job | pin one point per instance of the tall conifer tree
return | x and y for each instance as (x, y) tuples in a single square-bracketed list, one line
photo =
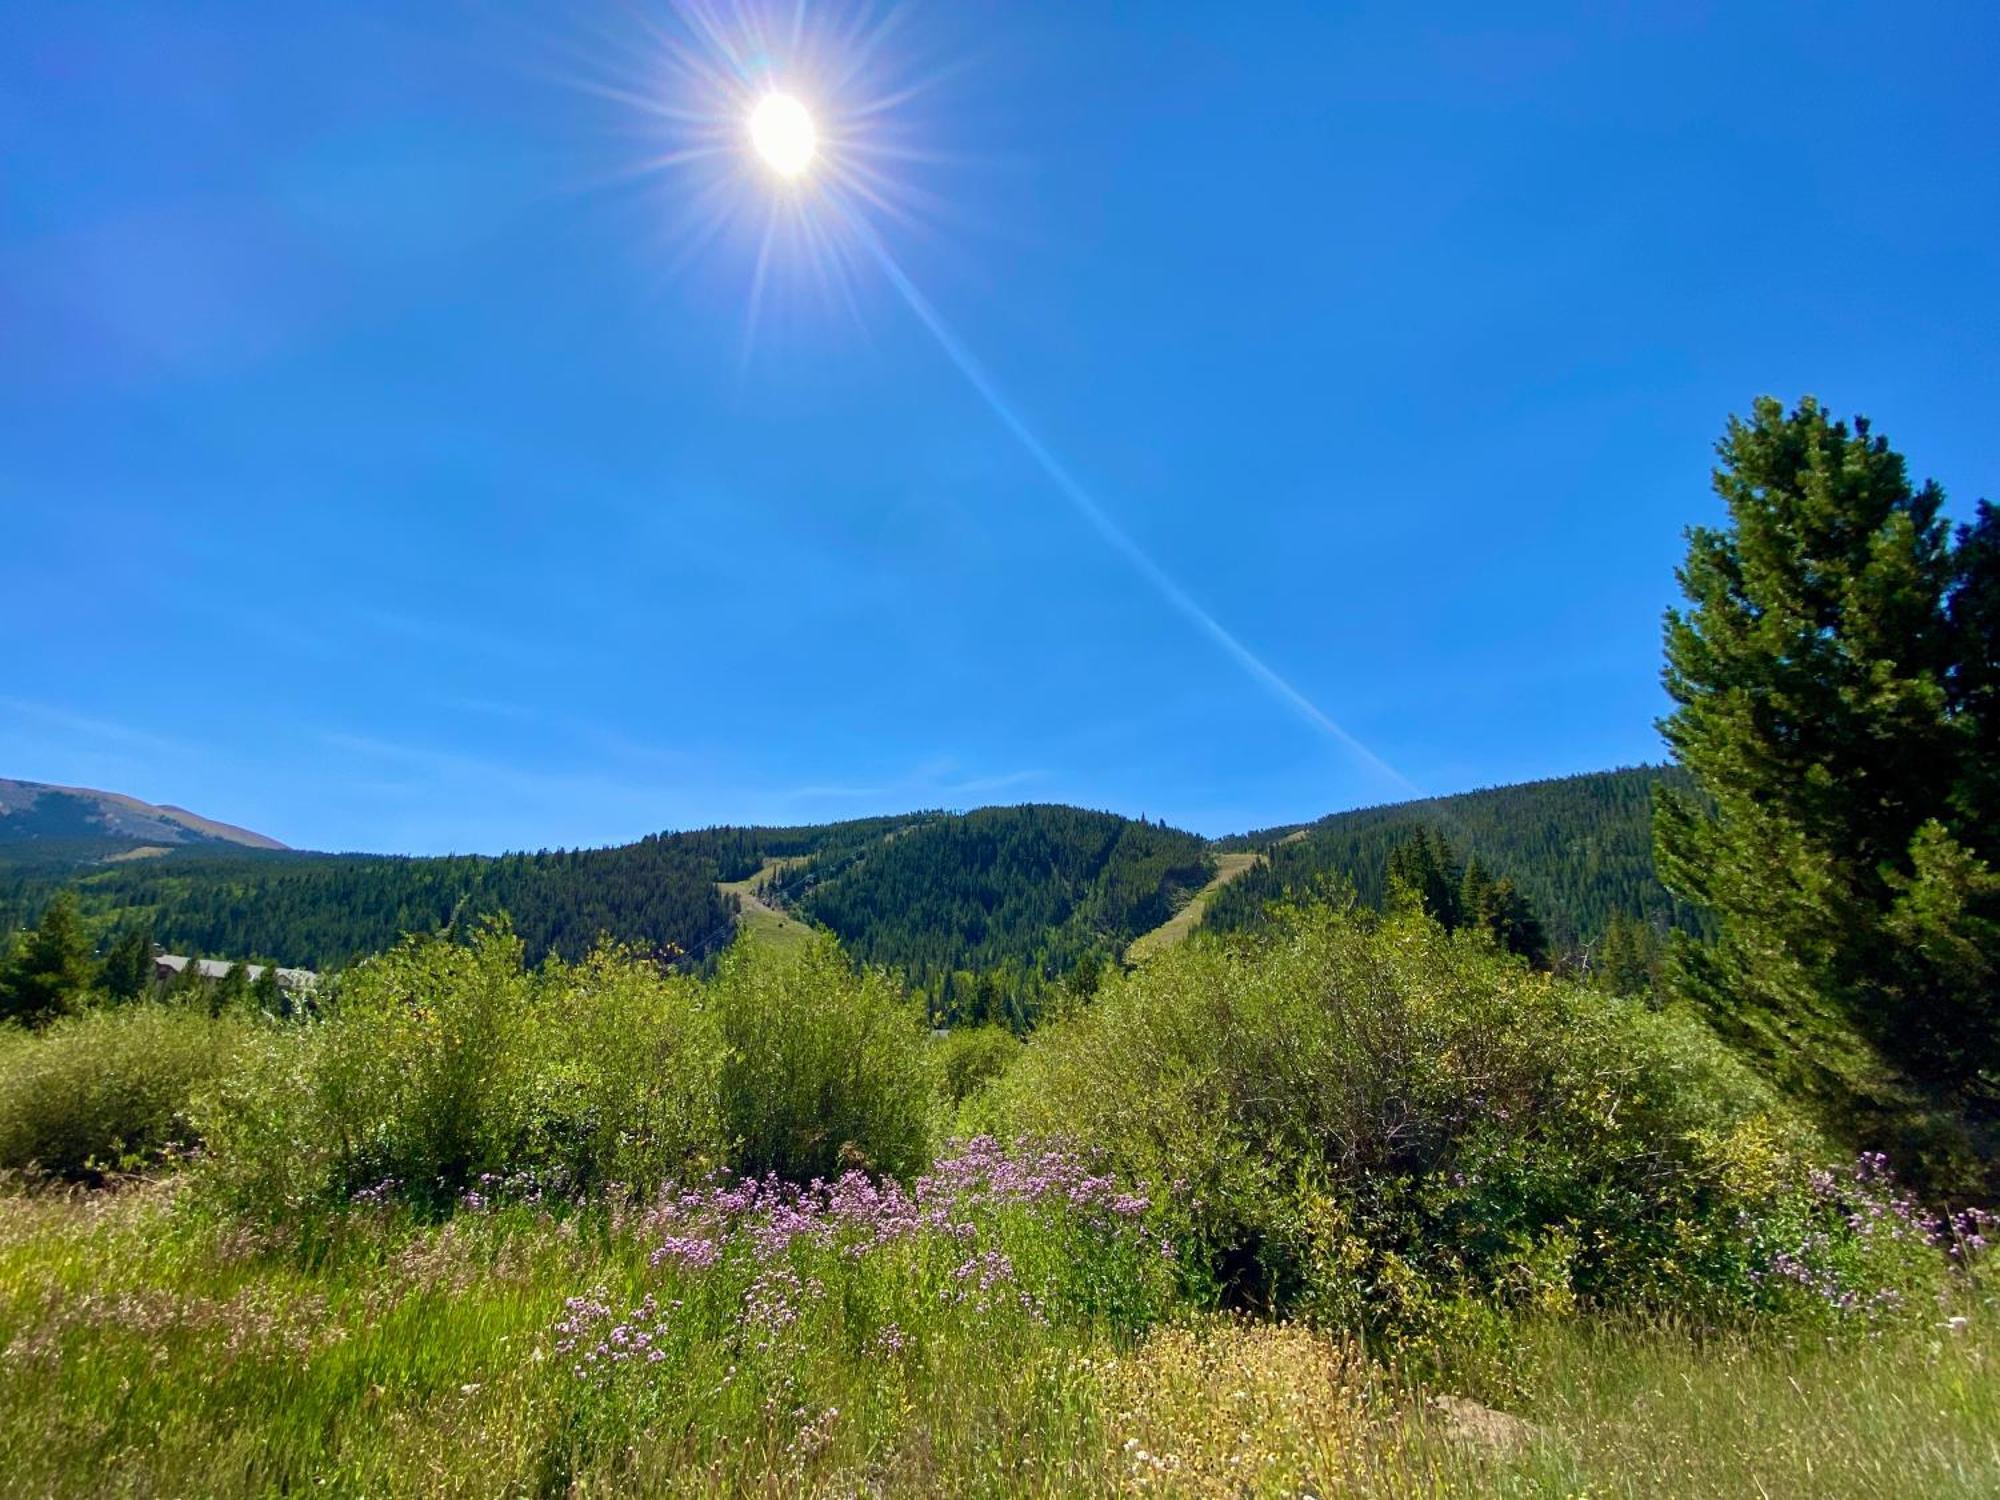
[(49, 972), (1826, 675)]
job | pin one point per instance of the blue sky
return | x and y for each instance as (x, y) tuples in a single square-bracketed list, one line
[(380, 467)]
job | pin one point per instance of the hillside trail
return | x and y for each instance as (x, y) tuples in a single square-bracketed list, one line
[(757, 916), (1228, 867), (1175, 929)]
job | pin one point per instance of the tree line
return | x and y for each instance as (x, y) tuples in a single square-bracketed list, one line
[(1576, 850)]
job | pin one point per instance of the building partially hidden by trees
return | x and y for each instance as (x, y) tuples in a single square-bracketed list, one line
[(167, 967)]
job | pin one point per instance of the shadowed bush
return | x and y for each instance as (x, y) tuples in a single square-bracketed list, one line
[(1390, 1128), (968, 1058), (107, 1090)]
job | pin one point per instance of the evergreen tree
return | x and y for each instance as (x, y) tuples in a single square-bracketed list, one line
[(1628, 958), (1424, 876), (1479, 898), (231, 991), (127, 971), (266, 993), (1831, 677), (1974, 688), (1514, 925), (188, 986), (1578, 847), (49, 973)]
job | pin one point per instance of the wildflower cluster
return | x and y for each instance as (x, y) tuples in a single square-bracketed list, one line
[(956, 1238), (855, 1215), (1856, 1245), (597, 1340)]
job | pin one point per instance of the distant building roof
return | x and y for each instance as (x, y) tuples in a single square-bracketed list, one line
[(214, 968)]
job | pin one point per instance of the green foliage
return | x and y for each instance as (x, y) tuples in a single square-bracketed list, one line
[(1832, 682), (442, 1069), (1425, 877), (152, 1353), (107, 1090), (968, 1058), (1628, 958), (325, 911), (827, 1068), (231, 991), (440, 1066), (1014, 895), (49, 972), (266, 993), (127, 971), (1374, 1121), (1579, 850), (1018, 895), (188, 986)]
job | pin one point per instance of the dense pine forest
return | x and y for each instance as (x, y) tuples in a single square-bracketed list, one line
[(1018, 895), (323, 911), (1580, 848), (980, 911)]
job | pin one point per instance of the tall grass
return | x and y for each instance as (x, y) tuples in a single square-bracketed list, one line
[(145, 1352)]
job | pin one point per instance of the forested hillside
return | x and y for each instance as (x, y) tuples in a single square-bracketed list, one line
[(1025, 891), (1580, 848), (1028, 891), (324, 910), (979, 910)]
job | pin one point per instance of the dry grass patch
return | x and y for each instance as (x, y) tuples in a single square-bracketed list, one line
[(1234, 1409)]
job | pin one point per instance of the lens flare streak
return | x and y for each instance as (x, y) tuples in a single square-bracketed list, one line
[(1072, 490)]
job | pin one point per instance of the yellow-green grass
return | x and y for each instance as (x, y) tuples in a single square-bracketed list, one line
[(764, 922), (143, 1351), (1175, 929)]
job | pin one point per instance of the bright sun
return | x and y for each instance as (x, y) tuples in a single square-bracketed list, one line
[(783, 134)]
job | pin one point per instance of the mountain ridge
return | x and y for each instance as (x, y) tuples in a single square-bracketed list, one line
[(88, 825), (996, 904)]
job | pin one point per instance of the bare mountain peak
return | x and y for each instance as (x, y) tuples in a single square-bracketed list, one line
[(94, 823)]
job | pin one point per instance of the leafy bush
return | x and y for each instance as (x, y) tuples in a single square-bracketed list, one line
[(826, 1069), (443, 1072), (107, 1090), (1395, 1129), (968, 1058), (442, 1069)]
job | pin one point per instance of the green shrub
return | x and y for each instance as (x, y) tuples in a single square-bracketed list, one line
[(968, 1058), (1372, 1122), (107, 1090), (827, 1068), (620, 1079), (443, 1069)]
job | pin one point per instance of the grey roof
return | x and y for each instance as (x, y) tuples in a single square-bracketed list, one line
[(215, 968)]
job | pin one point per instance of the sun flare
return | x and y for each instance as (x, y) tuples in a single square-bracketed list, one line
[(782, 130)]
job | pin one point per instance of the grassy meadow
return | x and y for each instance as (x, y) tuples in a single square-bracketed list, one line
[(1358, 1208), (147, 1352)]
